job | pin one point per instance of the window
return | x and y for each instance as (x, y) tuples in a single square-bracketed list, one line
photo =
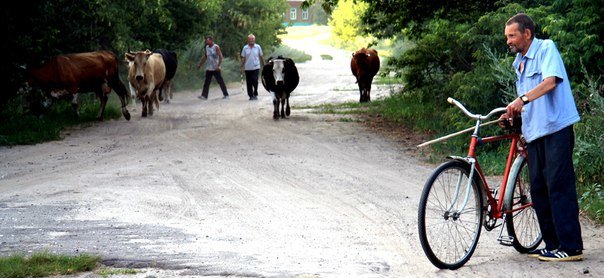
[(293, 14), (305, 14)]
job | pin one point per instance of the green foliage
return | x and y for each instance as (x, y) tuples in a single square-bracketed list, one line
[(346, 25), (45, 264), (389, 18), (592, 201), (239, 18), (589, 154), (19, 125)]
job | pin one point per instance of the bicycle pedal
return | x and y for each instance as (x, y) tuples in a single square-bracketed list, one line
[(506, 240)]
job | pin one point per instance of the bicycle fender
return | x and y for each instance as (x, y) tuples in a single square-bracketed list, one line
[(468, 161), (509, 187)]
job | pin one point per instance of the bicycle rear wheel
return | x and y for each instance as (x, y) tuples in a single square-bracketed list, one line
[(449, 236), (521, 220)]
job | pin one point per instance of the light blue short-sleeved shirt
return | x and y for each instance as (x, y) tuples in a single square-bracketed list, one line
[(556, 109), (252, 56)]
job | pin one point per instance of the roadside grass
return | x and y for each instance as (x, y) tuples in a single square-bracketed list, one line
[(326, 57), (21, 125), (286, 51), (108, 272), (46, 264)]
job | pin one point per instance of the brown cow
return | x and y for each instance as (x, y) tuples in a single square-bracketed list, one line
[(365, 64), (146, 74), (79, 73)]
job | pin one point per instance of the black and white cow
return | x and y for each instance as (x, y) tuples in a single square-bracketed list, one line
[(171, 62), (280, 77)]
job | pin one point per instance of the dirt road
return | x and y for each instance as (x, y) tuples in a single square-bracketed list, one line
[(218, 188)]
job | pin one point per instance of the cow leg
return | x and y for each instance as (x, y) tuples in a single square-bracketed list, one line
[(75, 103), (361, 92), (283, 108), (168, 89), (275, 106), (368, 97), (287, 110), (364, 97), (161, 95), (144, 103), (103, 98), (133, 97), (156, 101), (116, 84), (150, 105)]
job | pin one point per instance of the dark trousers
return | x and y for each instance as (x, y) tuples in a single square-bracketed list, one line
[(553, 190), (206, 83), (251, 79)]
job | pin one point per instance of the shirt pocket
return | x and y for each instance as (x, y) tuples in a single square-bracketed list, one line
[(532, 72)]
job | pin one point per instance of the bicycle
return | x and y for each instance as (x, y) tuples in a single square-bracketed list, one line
[(456, 199)]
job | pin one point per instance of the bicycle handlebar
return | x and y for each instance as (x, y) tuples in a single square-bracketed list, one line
[(475, 116)]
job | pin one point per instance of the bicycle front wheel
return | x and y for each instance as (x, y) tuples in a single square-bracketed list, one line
[(521, 219), (448, 231)]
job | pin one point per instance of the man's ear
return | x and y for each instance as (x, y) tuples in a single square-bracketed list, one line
[(527, 33)]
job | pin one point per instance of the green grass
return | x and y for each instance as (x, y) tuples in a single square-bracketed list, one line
[(20, 126), (108, 272), (286, 51), (326, 57), (45, 264)]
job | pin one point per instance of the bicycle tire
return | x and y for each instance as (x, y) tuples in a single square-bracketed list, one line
[(449, 242), (522, 224)]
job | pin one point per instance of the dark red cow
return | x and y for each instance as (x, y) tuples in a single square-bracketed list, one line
[(365, 64), (79, 73)]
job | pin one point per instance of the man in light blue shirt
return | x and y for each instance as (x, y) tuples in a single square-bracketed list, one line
[(548, 112), (251, 62)]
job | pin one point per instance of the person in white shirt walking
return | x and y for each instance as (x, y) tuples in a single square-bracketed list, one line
[(251, 62)]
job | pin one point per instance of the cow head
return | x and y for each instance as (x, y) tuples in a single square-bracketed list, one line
[(278, 74), (137, 62)]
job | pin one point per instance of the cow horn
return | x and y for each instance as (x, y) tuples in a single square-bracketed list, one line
[(147, 51), (129, 51)]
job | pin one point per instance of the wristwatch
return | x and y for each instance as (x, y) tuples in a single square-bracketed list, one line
[(524, 99)]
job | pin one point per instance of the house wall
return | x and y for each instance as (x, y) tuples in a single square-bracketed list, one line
[(296, 4)]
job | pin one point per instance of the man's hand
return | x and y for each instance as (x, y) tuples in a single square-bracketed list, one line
[(505, 121), (515, 107)]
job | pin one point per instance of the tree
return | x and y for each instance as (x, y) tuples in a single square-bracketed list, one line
[(239, 18), (347, 26)]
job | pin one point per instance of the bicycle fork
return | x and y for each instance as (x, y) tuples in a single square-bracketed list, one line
[(456, 214)]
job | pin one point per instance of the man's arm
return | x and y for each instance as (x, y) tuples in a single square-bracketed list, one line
[(219, 57), (203, 60), (261, 60), (546, 86)]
